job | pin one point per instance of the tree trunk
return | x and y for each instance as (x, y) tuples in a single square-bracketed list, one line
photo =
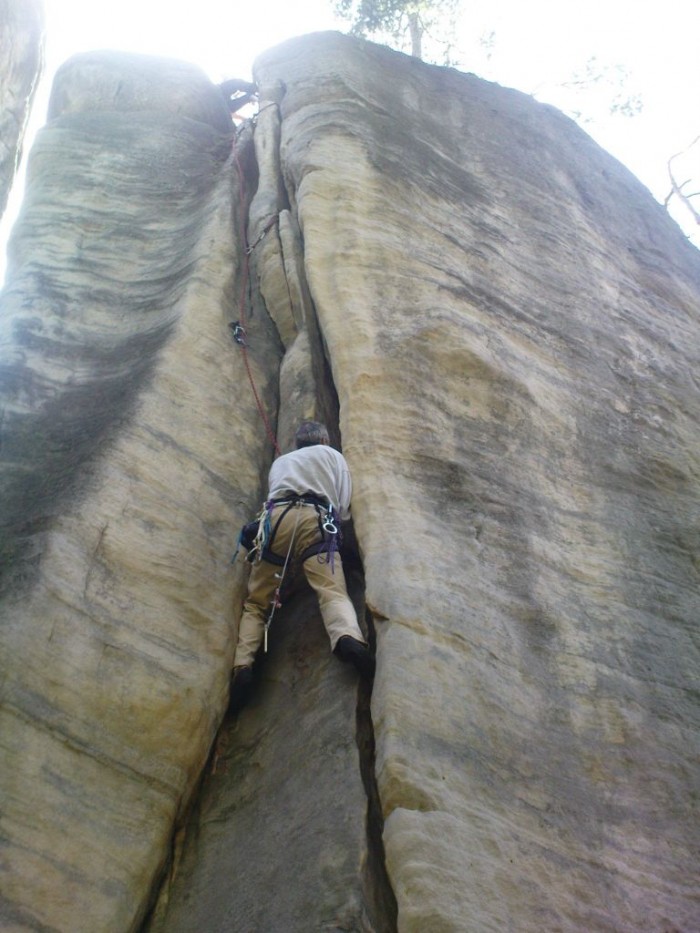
[(416, 30)]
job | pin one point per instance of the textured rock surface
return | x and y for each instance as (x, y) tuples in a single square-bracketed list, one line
[(129, 456), (21, 47), (278, 837), (505, 325)]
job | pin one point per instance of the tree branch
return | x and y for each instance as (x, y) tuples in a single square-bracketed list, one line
[(678, 189)]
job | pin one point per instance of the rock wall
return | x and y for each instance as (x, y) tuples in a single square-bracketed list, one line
[(501, 326), (21, 48), (130, 453)]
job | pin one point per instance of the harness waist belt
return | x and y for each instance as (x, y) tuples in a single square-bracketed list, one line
[(278, 502), (306, 498)]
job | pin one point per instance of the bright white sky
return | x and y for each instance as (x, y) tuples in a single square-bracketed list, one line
[(538, 45)]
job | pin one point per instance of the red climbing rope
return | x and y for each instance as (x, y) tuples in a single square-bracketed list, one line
[(239, 328)]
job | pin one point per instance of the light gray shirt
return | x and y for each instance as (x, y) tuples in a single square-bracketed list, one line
[(319, 469)]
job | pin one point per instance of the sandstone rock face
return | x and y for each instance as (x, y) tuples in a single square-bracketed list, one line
[(501, 326), (122, 414), (21, 46)]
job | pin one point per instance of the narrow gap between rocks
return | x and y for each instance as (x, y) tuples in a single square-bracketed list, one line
[(379, 899), (378, 887)]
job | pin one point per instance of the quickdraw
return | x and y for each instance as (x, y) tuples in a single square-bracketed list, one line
[(261, 236), (239, 333)]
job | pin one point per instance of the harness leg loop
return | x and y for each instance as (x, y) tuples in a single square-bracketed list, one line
[(280, 576)]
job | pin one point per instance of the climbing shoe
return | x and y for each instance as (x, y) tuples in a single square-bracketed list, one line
[(241, 684), (352, 651)]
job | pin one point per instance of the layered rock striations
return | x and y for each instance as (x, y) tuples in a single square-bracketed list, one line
[(501, 327), (21, 49), (123, 404)]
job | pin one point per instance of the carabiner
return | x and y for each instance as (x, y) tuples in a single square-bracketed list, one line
[(239, 334), (330, 527)]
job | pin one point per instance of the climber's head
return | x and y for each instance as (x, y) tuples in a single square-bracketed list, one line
[(310, 433)]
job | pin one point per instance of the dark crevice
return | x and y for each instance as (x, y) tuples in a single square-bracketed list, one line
[(378, 891), (186, 825), (379, 896)]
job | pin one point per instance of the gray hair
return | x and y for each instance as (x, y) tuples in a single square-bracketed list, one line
[(310, 433)]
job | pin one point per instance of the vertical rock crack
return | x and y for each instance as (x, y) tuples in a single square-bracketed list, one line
[(379, 893)]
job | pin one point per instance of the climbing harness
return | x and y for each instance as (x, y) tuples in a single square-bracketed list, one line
[(258, 537), (328, 545)]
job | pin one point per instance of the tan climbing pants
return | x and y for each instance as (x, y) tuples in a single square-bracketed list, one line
[(300, 528)]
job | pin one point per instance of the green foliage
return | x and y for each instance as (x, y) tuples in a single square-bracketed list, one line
[(428, 29), (372, 16), (404, 23), (612, 83)]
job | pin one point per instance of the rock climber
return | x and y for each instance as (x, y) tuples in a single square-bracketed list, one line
[(238, 93), (309, 493)]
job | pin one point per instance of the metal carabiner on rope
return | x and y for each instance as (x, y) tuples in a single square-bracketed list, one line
[(239, 333)]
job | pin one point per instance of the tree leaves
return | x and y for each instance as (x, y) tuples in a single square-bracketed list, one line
[(403, 22)]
